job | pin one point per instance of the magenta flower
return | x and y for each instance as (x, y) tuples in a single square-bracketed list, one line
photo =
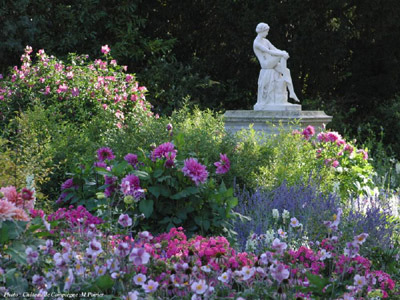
[(223, 165), (195, 171), (69, 184), (105, 49), (129, 184), (308, 132), (163, 150), (132, 159), (105, 153), (139, 256), (62, 88)]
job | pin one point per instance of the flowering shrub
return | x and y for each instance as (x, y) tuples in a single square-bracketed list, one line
[(351, 173), (166, 187), (77, 89)]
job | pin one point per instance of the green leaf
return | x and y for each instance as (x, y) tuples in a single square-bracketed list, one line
[(104, 282), (155, 190), (119, 169), (146, 207), (17, 253), (16, 282), (157, 173), (141, 174), (185, 192)]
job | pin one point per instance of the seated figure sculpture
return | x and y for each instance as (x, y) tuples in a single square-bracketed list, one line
[(274, 78)]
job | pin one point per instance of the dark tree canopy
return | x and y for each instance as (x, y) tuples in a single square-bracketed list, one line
[(344, 54)]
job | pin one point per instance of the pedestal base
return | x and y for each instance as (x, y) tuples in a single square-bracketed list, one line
[(278, 107), (264, 120)]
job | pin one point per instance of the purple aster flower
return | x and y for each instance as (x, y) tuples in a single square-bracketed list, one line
[(31, 255), (132, 159), (195, 171), (163, 150), (105, 153), (223, 165)]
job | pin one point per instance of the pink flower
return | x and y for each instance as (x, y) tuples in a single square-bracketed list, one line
[(105, 49), (195, 171), (75, 92), (139, 279), (308, 132), (335, 164), (223, 165), (62, 88), (130, 184)]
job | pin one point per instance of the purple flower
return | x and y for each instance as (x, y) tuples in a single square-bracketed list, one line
[(279, 272), (169, 127), (100, 164), (139, 256), (129, 184), (105, 153), (122, 249), (124, 220), (279, 246), (163, 150), (94, 248), (223, 165), (68, 184), (195, 171), (132, 159), (31, 256)]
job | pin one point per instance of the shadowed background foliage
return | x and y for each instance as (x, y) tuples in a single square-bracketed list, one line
[(344, 58)]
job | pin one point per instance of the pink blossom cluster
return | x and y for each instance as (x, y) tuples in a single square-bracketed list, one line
[(14, 205), (75, 216)]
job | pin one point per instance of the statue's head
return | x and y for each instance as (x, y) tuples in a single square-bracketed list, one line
[(262, 27)]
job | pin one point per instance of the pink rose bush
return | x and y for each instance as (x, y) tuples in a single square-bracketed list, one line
[(78, 88)]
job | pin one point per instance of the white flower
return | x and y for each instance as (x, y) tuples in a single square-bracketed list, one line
[(282, 233), (150, 287), (139, 279), (247, 272), (294, 222), (324, 254), (285, 214), (199, 287), (206, 269), (359, 281), (133, 295), (224, 277), (269, 236), (360, 239), (275, 214)]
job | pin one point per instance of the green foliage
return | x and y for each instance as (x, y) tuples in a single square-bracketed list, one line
[(166, 197)]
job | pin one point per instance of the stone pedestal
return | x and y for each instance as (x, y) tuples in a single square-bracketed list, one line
[(264, 120)]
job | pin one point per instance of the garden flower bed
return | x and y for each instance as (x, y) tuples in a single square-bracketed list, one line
[(189, 212)]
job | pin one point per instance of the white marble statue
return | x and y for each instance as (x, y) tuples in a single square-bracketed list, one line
[(274, 79)]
